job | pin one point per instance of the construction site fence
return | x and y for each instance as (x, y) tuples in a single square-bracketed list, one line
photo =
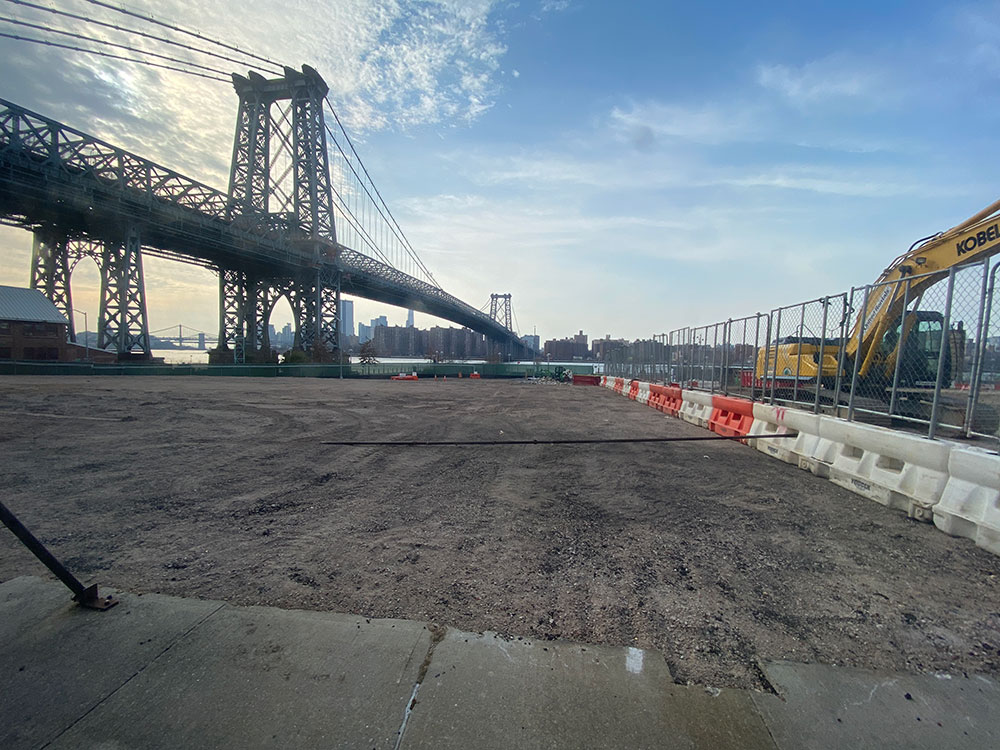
[(943, 379)]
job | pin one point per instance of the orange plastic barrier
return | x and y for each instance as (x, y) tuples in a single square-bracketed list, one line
[(586, 379), (404, 377), (475, 376), (633, 389), (731, 416), (619, 385), (666, 398)]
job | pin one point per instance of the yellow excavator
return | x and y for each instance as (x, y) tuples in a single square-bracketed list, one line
[(878, 338)]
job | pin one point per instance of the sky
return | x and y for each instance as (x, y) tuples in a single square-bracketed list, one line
[(624, 169)]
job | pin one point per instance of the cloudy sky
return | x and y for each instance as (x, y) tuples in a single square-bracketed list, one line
[(621, 168)]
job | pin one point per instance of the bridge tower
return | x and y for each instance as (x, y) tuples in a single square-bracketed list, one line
[(279, 181), (501, 312)]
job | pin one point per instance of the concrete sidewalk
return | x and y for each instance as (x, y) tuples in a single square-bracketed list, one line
[(164, 672)]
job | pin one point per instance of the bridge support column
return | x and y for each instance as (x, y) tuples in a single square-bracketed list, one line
[(122, 322), (319, 312), (50, 273), (232, 302)]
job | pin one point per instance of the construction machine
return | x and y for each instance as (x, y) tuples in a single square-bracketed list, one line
[(890, 326)]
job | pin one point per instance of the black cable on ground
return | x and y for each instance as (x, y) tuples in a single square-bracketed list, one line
[(579, 441)]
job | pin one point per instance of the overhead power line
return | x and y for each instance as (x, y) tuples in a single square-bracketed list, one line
[(113, 56), (105, 42), (137, 32), (181, 30)]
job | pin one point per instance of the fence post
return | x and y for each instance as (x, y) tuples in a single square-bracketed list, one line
[(983, 334), (857, 354), (976, 384), (822, 346), (798, 359), (945, 347), (899, 349), (777, 335)]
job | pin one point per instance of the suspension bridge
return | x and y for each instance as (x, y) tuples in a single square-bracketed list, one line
[(301, 219)]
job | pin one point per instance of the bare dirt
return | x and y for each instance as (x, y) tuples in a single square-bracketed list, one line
[(712, 553)]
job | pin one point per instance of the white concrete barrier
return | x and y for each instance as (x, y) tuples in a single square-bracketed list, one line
[(899, 471), (696, 407), (779, 420), (643, 395), (970, 503)]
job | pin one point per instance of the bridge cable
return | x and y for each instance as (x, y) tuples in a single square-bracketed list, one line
[(105, 42), (364, 187), (402, 235), (137, 32), (370, 241), (150, 19), (112, 56)]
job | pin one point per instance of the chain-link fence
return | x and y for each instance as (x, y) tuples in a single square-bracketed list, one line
[(921, 352)]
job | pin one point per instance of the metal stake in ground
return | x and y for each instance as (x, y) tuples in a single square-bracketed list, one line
[(86, 596)]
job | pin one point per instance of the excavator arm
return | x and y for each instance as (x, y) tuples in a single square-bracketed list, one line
[(925, 264)]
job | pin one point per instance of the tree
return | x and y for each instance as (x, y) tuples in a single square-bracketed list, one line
[(368, 354)]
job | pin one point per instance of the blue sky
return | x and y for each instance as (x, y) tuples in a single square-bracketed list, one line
[(621, 168)]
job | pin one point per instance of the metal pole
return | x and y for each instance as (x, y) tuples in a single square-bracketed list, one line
[(899, 350), (858, 354), (977, 363), (845, 307), (767, 338), (84, 595), (798, 359), (727, 330), (822, 346), (777, 335), (939, 383)]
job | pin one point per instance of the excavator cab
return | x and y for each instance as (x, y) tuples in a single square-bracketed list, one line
[(921, 350)]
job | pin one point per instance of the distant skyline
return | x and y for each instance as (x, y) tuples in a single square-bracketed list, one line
[(623, 169)]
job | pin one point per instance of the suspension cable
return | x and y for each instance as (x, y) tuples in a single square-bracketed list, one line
[(150, 63), (150, 19), (49, 29), (137, 32), (401, 236)]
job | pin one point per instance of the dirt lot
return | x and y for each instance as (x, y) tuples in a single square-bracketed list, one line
[(710, 552)]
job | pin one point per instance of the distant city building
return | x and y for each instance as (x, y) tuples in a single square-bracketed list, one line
[(346, 320), (367, 332), (409, 318), (532, 341), (561, 350), (602, 347)]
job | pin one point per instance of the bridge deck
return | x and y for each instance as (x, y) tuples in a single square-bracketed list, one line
[(711, 553)]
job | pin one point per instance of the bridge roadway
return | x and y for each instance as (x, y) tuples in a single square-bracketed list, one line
[(52, 175)]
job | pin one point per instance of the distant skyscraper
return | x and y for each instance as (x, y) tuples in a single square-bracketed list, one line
[(364, 333), (346, 318), (409, 318), (381, 320)]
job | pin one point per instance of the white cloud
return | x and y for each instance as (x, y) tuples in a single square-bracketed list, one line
[(837, 77), (644, 122)]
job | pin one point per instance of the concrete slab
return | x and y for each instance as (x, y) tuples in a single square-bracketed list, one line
[(485, 691), (836, 707), (60, 661), (266, 678)]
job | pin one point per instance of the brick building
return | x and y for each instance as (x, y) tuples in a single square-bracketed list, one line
[(31, 327)]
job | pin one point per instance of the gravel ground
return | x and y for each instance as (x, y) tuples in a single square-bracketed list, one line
[(711, 553)]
